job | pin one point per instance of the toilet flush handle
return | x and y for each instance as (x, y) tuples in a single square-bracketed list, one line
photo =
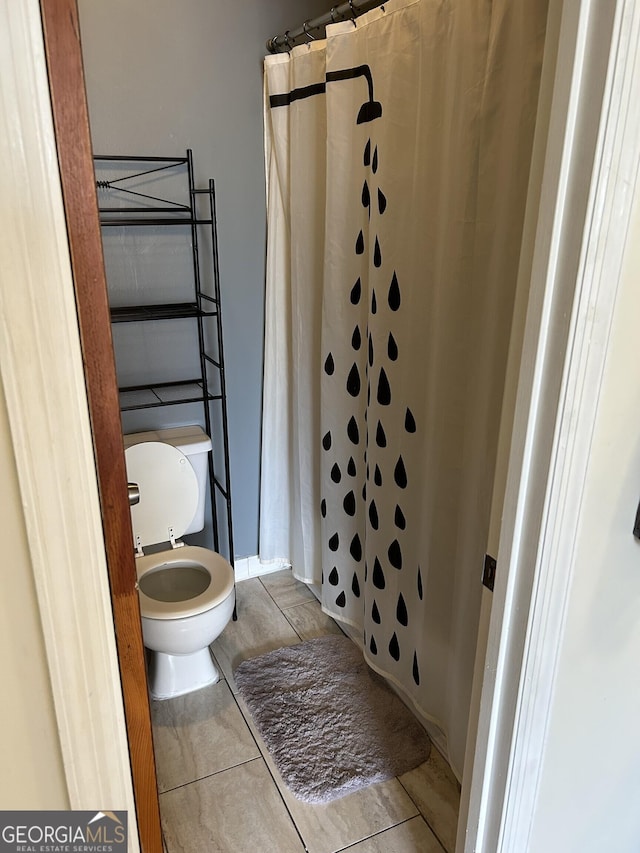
[(134, 493)]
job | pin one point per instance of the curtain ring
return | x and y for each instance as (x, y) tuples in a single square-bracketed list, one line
[(305, 29), (333, 14), (353, 13), (287, 40)]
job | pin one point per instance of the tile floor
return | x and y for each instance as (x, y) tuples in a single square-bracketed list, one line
[(219, 789)]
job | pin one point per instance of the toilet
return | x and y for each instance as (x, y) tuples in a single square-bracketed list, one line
[(186, 592)]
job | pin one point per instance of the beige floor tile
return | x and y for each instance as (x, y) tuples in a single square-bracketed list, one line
[(285, 590), (236, 811), (239, 809), (335, 825), (199, 734), (309, 621), (435, 790), (260, 628), (413, 836)]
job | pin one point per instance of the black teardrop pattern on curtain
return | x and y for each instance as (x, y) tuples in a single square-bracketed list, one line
[(352, 431), (394, 647), (349, 504), (353, 381), (373, 515), (378, 575), (400, 474), (355, 549), (395, 555), (392, 348), (384, 389), (409, 421), (394, 293), (366, 198), (377, 255), (372, 451), (401, 611), (415, 670), (355, 586)]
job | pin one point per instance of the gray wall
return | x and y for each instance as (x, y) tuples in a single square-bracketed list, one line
[(164, 76)]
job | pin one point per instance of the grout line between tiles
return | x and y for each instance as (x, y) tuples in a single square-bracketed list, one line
[(266, 764), (255, 739), (211, 775), (283, 610), (293, 627), (299, 604), (382, 832), (273, 598), (422, 815), (266, 589)]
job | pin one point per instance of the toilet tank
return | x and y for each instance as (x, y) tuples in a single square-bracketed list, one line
[(196, 445)]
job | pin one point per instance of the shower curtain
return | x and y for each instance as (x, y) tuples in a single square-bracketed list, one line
[(397, 155)]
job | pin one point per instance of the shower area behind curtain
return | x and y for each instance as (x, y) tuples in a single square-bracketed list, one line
[(397, 156)]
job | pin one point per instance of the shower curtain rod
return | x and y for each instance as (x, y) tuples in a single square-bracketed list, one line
[(343, 12)]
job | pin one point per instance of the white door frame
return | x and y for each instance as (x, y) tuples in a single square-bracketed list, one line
[(590, 170), (590, 173), (43, 379)]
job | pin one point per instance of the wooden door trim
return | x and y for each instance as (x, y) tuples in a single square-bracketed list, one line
[(71, 122)]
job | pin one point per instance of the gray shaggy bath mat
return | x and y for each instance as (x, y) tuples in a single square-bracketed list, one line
[(331, 724)]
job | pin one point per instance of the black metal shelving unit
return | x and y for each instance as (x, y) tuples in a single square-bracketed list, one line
[(125, 201)]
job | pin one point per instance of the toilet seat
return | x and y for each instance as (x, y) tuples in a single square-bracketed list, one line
[(220, 585), (169, 494)]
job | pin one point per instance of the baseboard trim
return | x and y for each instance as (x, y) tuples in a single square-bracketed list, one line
[(253, 567)]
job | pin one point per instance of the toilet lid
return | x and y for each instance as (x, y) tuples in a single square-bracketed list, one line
[(168, 491)]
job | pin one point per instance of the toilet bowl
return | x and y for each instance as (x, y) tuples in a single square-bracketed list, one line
[(186, 592)]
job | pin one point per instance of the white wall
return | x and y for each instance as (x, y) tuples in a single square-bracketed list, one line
[(32, 775), (163, 76), (590, 784)]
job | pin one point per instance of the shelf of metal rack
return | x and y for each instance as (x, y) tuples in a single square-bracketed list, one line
[(169, 311), (123, 204)]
